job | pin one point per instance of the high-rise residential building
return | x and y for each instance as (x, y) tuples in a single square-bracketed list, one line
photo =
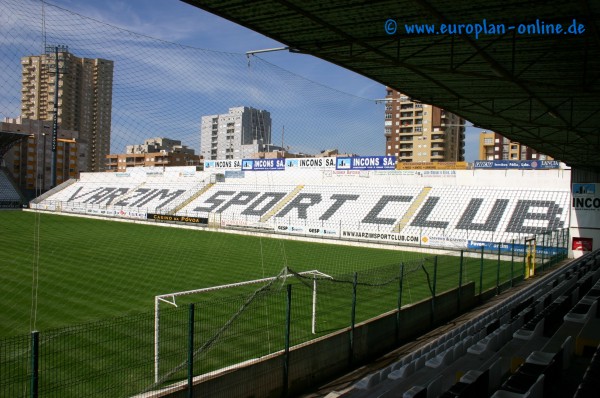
[(493, 146), (238, 134), (417, 132), (84, 98)]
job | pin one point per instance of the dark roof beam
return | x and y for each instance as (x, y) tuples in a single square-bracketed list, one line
[(520, 123), (494, 65), (553, 113), (590, 116), (585, 5)]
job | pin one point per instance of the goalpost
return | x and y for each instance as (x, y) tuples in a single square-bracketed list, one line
[(170, 299), (214, 220)]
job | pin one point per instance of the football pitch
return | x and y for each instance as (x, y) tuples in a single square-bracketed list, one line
[(92, 269), (60, 271)]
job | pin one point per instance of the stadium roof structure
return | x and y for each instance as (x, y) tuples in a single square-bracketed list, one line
[(8, 139), (539, 89)]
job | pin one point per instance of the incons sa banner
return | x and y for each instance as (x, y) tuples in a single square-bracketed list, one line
[(585, 204), (263, 164), (231, 164), (310, 163), (366, 163)]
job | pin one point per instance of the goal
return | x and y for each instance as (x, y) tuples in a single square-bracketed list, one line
[(171, 299)]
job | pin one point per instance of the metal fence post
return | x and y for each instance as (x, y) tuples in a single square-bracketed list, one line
[(190, 375), (435, 267), (555, 247), (498, 271), (286, 355), (433, 291), (564, 243), (400, 287), (543, 250), (567, 241), (35, 352), (481, 274), (353, 318), (525, 258), (568, 233), (512, 263), (460, 278)]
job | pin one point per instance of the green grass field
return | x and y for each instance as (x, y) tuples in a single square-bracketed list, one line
[(96, 282)]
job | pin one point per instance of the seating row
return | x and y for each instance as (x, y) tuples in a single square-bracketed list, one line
[(490, 347), (8, 193), (590, 384)]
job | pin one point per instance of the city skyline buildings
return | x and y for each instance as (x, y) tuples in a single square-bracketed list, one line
[(494, 146), (238, 134), (159, 144), (133, 117), (84, 98), (30, 161), (417, 132)]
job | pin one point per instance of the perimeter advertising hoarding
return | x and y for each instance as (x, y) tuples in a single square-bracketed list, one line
[(234, 174), (263, 164), (585, 204), (231, 164), (366, 163), (310, 163), (507, 248), (172, 218), (431, 166), (10, 204), (132, 213), (583, 244), (516, 164), (305, 230), (380, 236)]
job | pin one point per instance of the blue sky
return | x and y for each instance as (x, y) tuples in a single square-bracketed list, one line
[(177, 22)]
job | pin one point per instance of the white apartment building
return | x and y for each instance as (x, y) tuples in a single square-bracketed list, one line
[(238, 134)]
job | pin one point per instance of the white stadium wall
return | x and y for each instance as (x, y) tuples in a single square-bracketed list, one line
[(585, 218)]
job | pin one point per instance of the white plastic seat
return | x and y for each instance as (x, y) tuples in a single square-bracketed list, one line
[(443, 358), (402, 372)]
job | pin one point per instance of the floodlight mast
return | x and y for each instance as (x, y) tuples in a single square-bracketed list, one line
[(57, 72)]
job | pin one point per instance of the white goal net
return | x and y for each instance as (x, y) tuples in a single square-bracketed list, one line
[(171, 300)]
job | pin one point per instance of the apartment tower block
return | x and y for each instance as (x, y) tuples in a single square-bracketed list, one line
[(417, 132), (84, 99)]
